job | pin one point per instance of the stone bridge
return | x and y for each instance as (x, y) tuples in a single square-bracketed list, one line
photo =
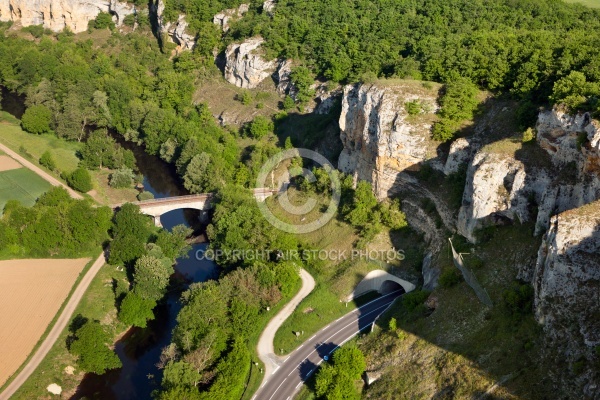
[(203, 202), (382, 282)]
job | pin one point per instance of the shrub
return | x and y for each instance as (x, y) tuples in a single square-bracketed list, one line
[(245, 98), (46, 160), (36, 30), (528, 135), (450, 277), (518, 300), (103, 20), (288, 103), (36, 119), (145, 196), (121, 178), (260, 127), (412, 107), (129, 20), (412, 300), (80, 180), (444, 130)]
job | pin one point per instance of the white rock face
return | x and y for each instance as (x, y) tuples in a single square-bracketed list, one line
[(245, 66), (572, 181), (283, 79), (223, 18), (566, 281), (461, 151), (58, 14), (492, 187), (174, 32), (269, 6), (379, 143)]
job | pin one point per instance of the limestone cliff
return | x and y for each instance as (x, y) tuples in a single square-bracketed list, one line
[(504, 186), (380, 138), (59, 14), (245, 66), (223, 18), (567, 289), (174, 32)]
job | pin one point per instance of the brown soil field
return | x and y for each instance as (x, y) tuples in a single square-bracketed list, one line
[(31, 293), (7, 163)]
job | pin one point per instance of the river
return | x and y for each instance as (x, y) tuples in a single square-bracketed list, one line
[(139, 350)]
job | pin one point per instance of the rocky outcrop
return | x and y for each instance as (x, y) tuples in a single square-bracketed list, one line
[(173, 32), (269, 6), (223, 18), (501, 189), (283, 79), (380, 140), (566, 281), (245, 67), (60, 14), (461, 152)]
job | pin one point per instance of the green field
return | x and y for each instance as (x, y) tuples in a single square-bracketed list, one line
[(21, 184), (589, 3), (63, 152)]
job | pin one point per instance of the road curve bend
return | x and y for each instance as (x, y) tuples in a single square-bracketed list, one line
[(265, 349), (60, 324), (287, 378)]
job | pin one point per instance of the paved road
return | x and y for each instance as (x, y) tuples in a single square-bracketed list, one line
[(303, 362), (265, 342), (52, 180), (56, 330)]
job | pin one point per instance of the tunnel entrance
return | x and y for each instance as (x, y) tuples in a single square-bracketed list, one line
[(390, 287)]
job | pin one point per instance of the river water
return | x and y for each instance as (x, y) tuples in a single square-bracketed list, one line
[(139, 350)]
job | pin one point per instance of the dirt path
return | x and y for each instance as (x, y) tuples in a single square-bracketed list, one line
[(52, 180), (265, 349), (59, 326)]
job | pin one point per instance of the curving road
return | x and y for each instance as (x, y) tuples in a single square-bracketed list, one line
[(285, 381), (265, 350), (59, 326)]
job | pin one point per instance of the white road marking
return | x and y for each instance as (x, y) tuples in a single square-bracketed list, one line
[(275, 370), (298, 385), (348, 338), (314, 336)]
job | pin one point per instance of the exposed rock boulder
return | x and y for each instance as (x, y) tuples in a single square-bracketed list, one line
[(59, 14), (245, 67), (282, 78), (492, 187), (173, 32), (567, 285), (461, 152), (269, 6), (380, 140), (223, 18), (500, 186)]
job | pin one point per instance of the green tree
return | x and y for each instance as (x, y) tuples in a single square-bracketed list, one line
[(573, 91), (46, 160), (37, 119), (90, 345), (174, 244), (260, 127), (103, 20), (121, 178), (364, 203), (337, 381), (199, 176), (302, 79), (151, 277), (80, 180), (98, 150), (135, 310)]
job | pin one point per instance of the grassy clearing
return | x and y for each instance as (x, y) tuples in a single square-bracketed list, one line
[(588, 3), (96, 304), (63, 152), (335, 276), (22, 185)]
